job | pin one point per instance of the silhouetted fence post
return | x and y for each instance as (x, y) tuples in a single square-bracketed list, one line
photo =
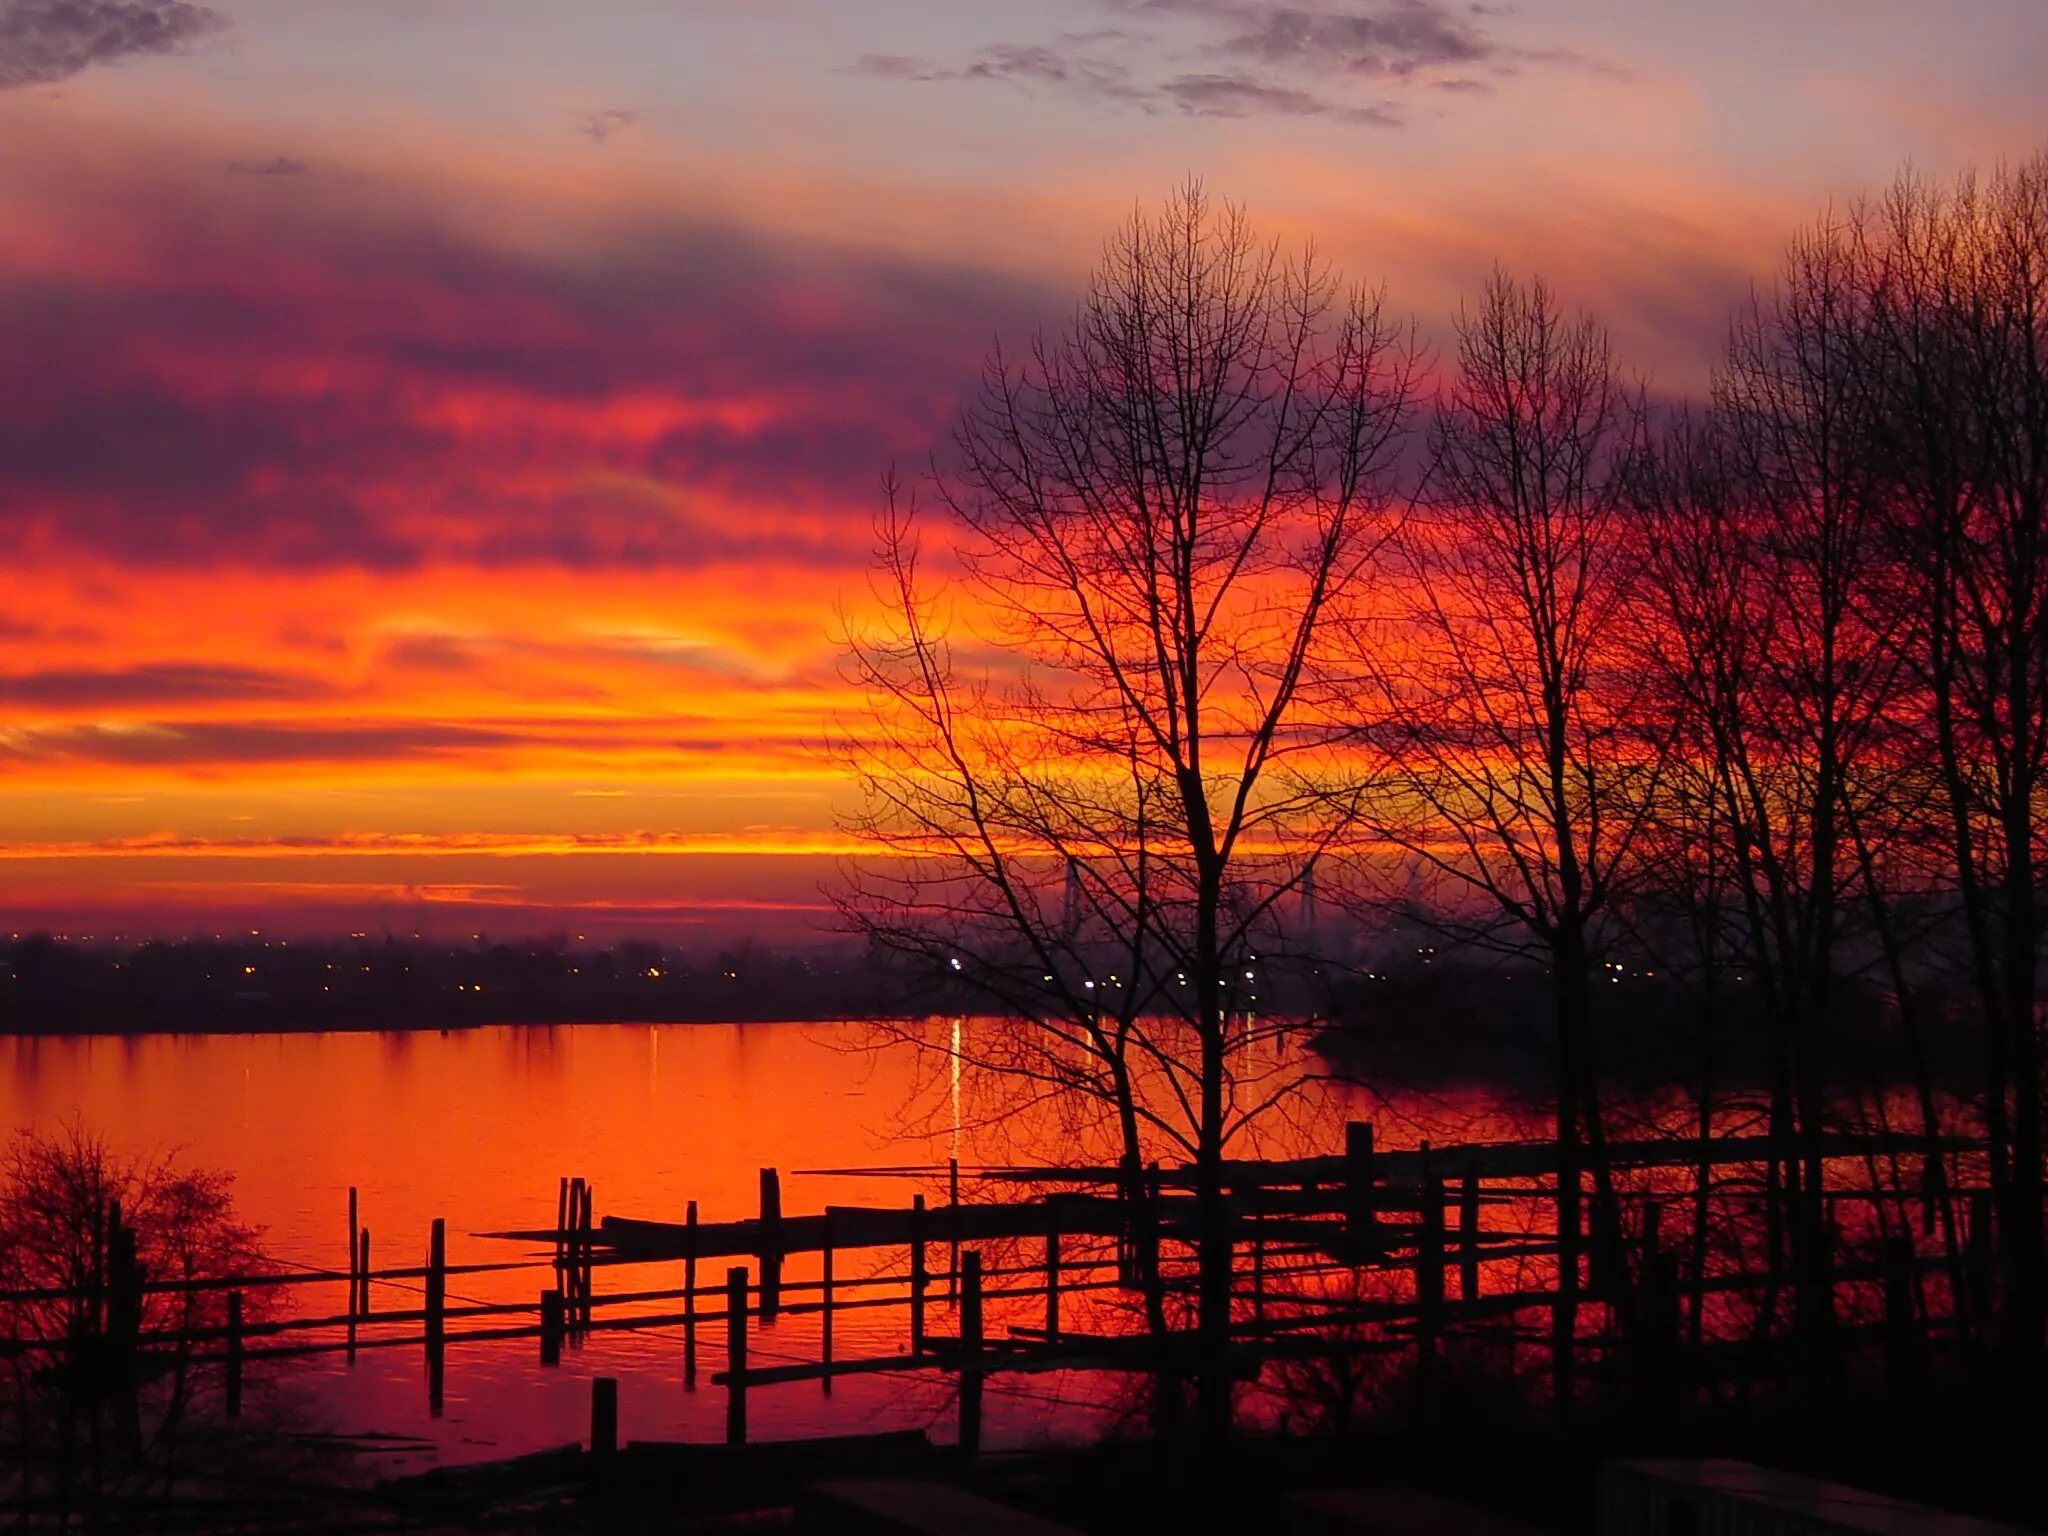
[(234, 1362), (1258, 1217), (1052, 1273), (917, 1274), (585, 1226), (363, 1268), (736, 1356), (437, 1302), (970, 1350), (690, 1298), (1359, 1213), (825, 1300), (354, 1274), (953, 1229), (552, 1323), (1468, 1236), (770, 1255), (1933, 1190)]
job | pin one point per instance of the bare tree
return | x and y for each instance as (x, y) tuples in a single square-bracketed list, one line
[(1096, 771), (1501, 698), (1957, 290)]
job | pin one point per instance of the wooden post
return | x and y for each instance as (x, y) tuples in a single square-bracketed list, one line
[(1258, 1212), (234, 1386), (1429, 1256), (551, 1325), (1468, 1236), (363, 1268), (1904, 1365), (604, 1421), (355, 1281), (561, 1221), (583, 1250), (953, 1227), (970, 1349), (437, 1300), (770, 1233), (736, 1356), (1052, 1274), (690, 1299), (1359, 1204), (917, 1274), (825, 1301)]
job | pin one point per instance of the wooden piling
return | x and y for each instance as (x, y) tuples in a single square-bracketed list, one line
[(953, 1224), (363, 1268), (770, 1250), (234, 1353), (690, 1299), (585, 1228), (604, 1421), (551, 1327), (355, 1274), (1360, 1216), (1468, 1235), (437, 1303), (917, 1274), (825, 1301), (970, 1349), (736, 1356), (561, 1221), (1052, 1276)]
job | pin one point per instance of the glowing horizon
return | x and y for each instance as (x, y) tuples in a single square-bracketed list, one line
[(435, 444)]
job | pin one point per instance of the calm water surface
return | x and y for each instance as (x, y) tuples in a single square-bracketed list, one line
[(478, 1125)]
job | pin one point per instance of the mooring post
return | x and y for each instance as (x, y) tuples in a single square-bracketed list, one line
[(1468, 1235), (437, 1301), (736, 1356), (953, 1227), (363, 1268), (551, 1326), (825, 1301), (690, 1298), (1359, 1213), (604, 1421), (917, 1274), (584, 1227), (970, 1350), (355, 1281), (234, 1385), (770, 1233)]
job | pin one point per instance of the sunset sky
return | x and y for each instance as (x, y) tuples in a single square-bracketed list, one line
[(436, 435)]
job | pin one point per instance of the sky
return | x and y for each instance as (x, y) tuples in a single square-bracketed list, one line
[(439, 438)]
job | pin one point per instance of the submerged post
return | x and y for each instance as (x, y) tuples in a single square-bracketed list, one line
[(736, 1356), (234, 1383), (917, 1275), (690, 1299), (770, 1233), (551, 1327), (970, 1349)]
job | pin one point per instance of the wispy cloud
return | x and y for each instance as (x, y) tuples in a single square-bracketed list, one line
[(43, 41), (1241, 58), (605, 122)]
